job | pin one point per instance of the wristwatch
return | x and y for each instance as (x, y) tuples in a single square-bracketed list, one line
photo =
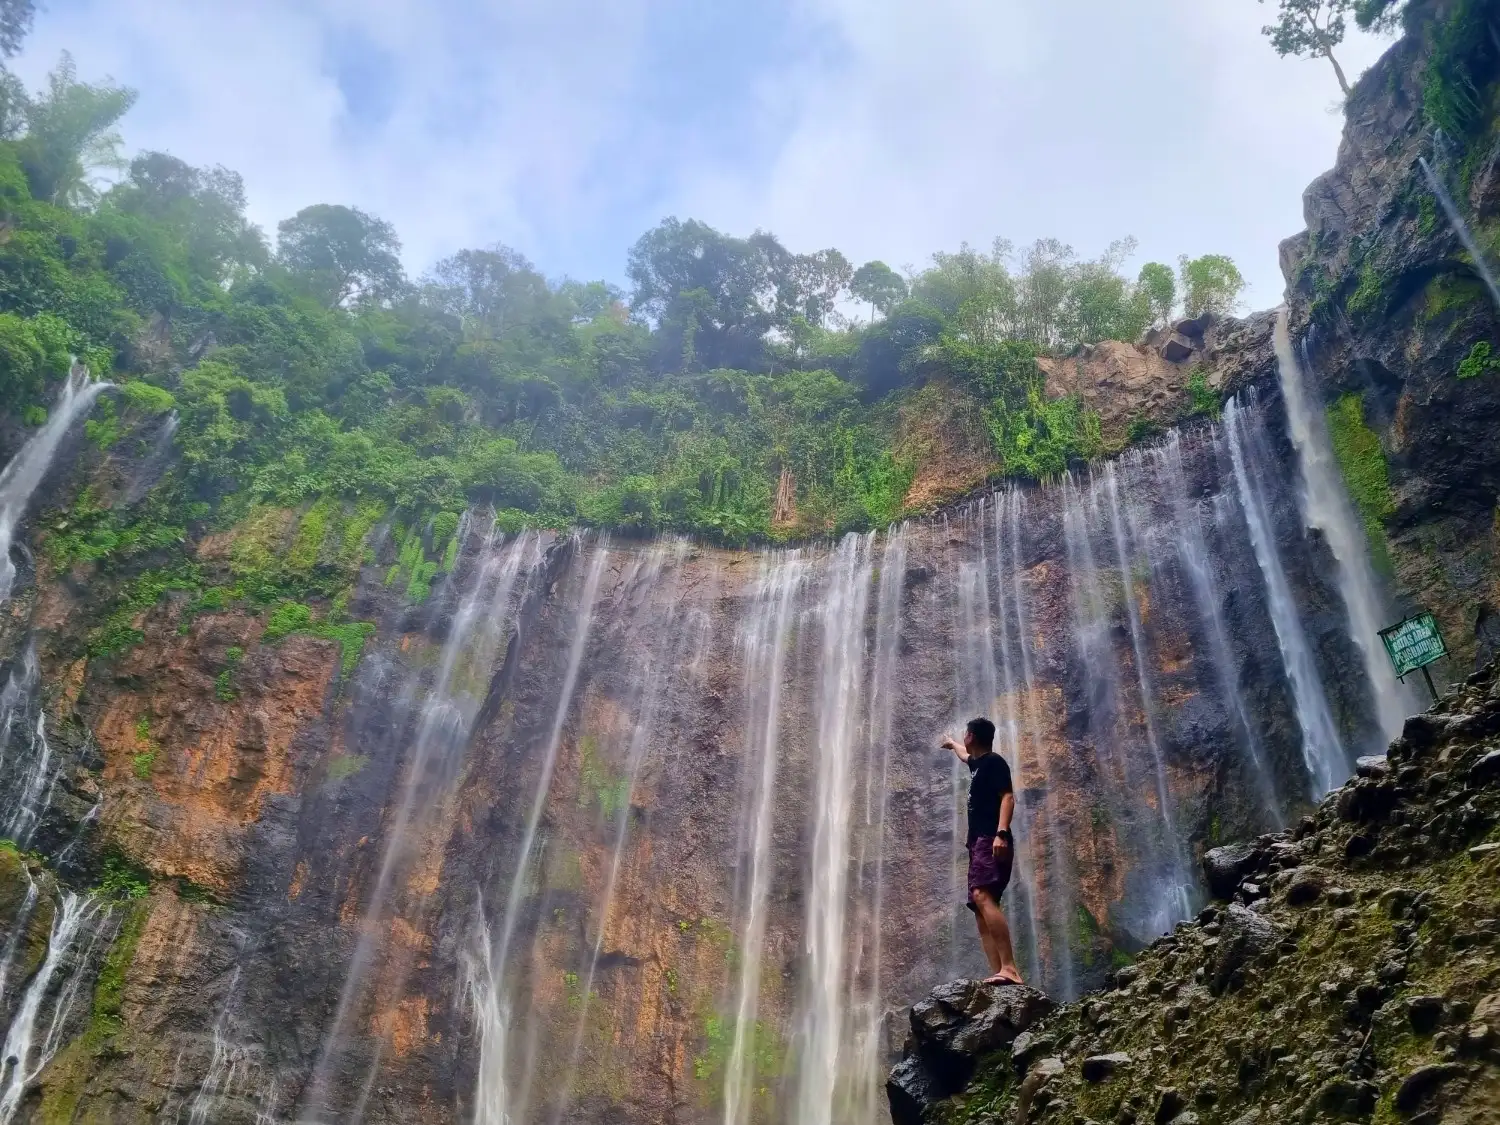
[(1004, 834)]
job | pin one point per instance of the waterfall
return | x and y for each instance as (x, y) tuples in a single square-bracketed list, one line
[(762, 646), (52, 991), (1326, 507), (838, 756), (224, 1066), (17, 933), (445, 714), (1461, 228), (36, 787), (487, 966), (20, 478), (1322, 750), (866, 1096), (1192, 550)]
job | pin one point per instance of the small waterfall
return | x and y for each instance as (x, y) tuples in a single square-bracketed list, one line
[(1192, 549), (47, 1001), (36, 786), (762, 646), (866, 1097), (225, 1067), (1326, 507), (20, 479), (837, 756), (1461, 228), (17, 933), (487, 967), (445, 713), (1322, 749)]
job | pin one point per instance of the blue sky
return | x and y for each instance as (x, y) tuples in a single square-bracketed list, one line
[(887, 128)]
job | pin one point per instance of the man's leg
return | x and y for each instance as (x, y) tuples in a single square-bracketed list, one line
[(986, 939), (992, 923)]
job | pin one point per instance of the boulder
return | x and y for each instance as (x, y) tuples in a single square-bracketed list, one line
[(1422, 1082), (1096, 1068), (1486, 771), (1177, 348), (1306, 886), (912, 1090), (951, 1030), (1193, 326), (1224, 867), (1374, 766), (1244, 935)]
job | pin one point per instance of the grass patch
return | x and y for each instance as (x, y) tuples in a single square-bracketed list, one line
[(1481, 360)]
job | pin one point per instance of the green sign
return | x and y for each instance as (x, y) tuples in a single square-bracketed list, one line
[(1413, 644)]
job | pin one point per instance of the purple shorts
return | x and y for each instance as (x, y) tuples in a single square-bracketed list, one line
[(985, 871)]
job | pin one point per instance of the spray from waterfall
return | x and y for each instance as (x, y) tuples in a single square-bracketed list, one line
[(1192, 550), (487, 966), (20, 478), (837, 753), (762, 645), (444, 718), (1326, 507), (1322, 749)]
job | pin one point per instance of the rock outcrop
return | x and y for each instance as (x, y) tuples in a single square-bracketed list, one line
[(1352, 974)]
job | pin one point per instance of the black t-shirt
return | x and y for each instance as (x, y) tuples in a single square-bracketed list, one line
[(989, 780)]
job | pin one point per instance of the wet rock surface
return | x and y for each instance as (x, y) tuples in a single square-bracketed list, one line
[(1375, 999)]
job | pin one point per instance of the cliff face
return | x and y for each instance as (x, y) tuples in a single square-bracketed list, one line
[(629, 830), (1399, 325)]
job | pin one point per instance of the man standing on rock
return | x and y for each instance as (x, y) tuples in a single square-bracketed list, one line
[(992, 802)]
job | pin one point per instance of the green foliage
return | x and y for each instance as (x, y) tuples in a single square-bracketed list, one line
[(1159, 287), (1363, 463), (1210, 284), (1463, 59), (109, 988), (341, 253), (344, 766), (1039, 439), (1311, 28), (120, 877), (118, 632), (224, 689), (598, 784), (294, 617), (1202, 399), (1480, 361)]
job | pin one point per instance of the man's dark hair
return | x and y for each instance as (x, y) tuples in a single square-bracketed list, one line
[(983, 731)]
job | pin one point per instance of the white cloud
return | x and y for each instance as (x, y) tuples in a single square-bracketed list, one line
[(900, 128)]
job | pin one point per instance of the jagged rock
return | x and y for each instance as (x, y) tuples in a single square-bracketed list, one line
[(1417, 1086), (1169, 1103), (951, 1030), (1306, 885), (1374, 766), (912, 1090), (1193, 326), (1226, 866), (1176, 348), (1096, 1068), (1039, 1075), (1028, 1047), (1486, 771)]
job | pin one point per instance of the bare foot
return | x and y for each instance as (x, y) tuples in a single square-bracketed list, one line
[(1002, 978)]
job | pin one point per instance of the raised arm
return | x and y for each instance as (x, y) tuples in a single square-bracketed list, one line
[(957, 747)]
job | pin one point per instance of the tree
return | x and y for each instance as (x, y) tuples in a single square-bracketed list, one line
[(15, 23), (488, 290), (809, 285), (68, 132), (879, 286), (1210, 284), (1159, 287), (1309, 28), (204, 207), (343, 254)]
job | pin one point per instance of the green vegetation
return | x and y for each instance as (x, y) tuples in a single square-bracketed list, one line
[(1464, 59), (597, 784), (121, 877), (1203, 400), (143, 760), (224, 689), (1481, 360), (345, 766), (337, 394), (294, 617), (1362, 461)]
